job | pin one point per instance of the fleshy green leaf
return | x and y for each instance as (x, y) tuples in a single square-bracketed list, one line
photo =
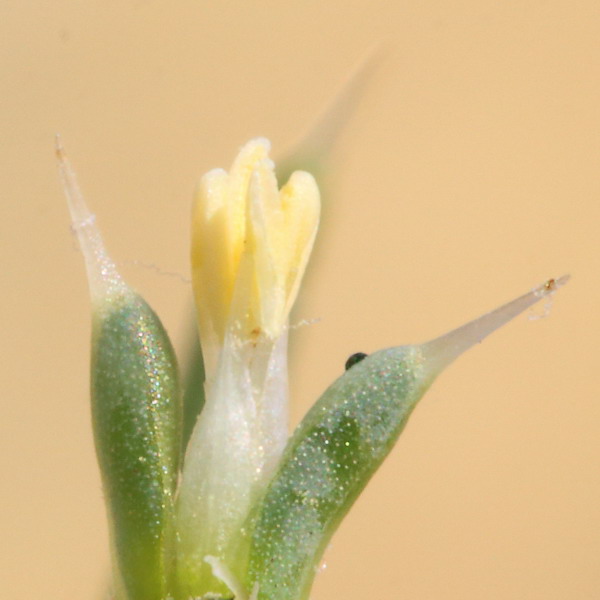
[(333, 453), (136, 418), (136, 411), (339, 445)]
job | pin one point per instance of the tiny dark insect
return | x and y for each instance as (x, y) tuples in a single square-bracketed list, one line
[(355, 358)]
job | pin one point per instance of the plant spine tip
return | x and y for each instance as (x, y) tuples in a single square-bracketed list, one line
[(443, 350), (103, 278)]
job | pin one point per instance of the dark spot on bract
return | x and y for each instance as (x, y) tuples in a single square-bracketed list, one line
[(355, 358)]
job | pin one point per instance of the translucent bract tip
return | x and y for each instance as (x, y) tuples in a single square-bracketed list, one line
[(103, 279), (314, 147), (443, 350)]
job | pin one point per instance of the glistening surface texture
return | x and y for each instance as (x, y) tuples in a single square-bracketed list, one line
[(469, 173), (330, 458), (136, 411)]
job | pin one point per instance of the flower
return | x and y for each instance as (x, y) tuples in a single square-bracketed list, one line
[(250, 521), (250, 245)]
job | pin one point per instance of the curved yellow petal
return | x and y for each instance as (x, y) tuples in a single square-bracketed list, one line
[(250, 241)]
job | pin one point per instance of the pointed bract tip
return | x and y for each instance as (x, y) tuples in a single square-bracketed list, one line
[(103, 278), (552, 285), (441, 351), (58, 147), (314, 147)]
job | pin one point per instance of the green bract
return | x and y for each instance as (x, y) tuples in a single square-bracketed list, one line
[(136, 414), (328, 461)]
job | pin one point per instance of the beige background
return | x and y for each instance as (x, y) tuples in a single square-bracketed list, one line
[(468, 174)]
